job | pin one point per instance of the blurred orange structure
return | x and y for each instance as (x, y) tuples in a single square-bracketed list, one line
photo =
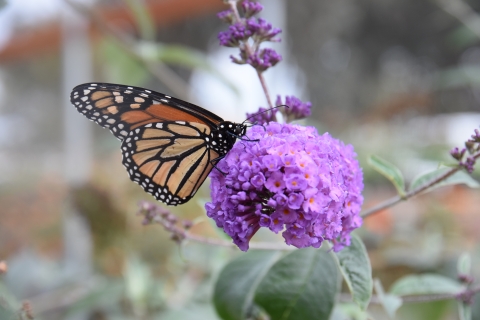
[(47, 38)]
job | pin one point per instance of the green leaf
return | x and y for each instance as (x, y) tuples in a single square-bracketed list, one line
[(357, 271), (433, 310), (425, 284), (121, 67), (142, 18), (389, 171), (460, 177), (390, 302), (464, 264), (302, 285), (236, 284)]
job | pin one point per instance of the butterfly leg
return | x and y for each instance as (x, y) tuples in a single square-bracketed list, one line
[(215, 161)]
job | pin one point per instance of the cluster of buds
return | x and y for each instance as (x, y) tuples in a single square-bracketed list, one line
[(247, 33), (292, 109), (473, 147), (155, 214)]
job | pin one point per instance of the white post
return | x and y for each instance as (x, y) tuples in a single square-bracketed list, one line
[(77, 69)]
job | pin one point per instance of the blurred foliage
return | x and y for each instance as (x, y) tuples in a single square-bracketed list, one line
[(107, 223), (120, 67), (143, 19), (406, 61)]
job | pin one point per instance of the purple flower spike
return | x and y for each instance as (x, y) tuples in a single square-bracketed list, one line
[(294, 181), (248, 33)]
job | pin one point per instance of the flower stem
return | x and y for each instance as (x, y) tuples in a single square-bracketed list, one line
[(394, 200), (181, 234), (265, 88), (249, 50)]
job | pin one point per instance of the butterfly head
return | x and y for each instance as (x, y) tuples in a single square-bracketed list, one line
[(236, 130)]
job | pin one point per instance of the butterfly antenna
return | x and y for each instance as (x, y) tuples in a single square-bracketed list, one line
[(263, 111)]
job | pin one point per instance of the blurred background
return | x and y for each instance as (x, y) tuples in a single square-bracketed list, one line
[(400, 79)]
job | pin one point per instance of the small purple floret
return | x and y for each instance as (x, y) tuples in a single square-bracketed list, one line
[(294, 181)]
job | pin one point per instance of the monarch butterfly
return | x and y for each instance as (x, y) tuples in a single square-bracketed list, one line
[(169, 146)]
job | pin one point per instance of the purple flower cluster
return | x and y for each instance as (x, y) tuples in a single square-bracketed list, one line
[(234, 35), (473, 147), (247, 34), (262, 116), (291, 180), (264, 59), (296, 108)]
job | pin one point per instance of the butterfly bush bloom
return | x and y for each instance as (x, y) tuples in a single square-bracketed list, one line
[(292, 180)]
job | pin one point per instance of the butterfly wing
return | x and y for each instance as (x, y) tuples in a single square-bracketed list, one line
[(170, 160), (164, 139), (124, 108)]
